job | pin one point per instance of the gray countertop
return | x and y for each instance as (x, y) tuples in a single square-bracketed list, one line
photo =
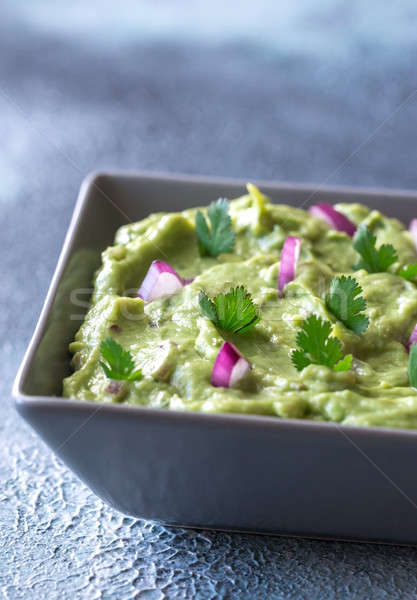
[(318, 92)]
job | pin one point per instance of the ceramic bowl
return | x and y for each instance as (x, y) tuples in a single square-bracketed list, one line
[(223, 471)]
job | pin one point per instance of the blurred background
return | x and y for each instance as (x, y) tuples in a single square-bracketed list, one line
[(320, 91)]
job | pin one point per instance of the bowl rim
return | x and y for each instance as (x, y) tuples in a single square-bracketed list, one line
[(45, 403)]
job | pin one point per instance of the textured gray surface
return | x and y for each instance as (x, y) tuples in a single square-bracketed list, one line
[(315, 92)]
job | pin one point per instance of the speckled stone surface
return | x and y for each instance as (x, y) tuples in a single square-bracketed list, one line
[(305, 91)]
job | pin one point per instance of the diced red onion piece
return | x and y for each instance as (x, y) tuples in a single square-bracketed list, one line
[(114, 387), (160, 280), (188, 280), (289, 258), (413, 231), (413, 339), (334, 218), (229, 367)]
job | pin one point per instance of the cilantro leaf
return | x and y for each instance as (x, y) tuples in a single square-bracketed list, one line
[(372, 260), (344, 364), (219, 237), (409, 272), (345, 303), (234, 311), (119, 362), (208, 307), (316, 347), (412, 366), (300, 359)]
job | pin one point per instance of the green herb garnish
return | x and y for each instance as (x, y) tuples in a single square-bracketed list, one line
[(120, 365), (409, 272), (412, 366), (344, 302), (316, 347), (372, 260), (234, 311), (219, 237)]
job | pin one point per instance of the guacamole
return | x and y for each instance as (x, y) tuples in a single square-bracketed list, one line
[(175, 345)]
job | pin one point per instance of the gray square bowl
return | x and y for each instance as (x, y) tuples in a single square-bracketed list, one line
[(230, 472)]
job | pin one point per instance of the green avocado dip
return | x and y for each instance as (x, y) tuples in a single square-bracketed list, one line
[(173, 344)]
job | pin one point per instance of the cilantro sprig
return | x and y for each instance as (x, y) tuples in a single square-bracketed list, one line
[(372, 259), (412, 366), (119, 363), (219, 236), (234, 311), (344, 301), (316, 347), (409, 273)]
